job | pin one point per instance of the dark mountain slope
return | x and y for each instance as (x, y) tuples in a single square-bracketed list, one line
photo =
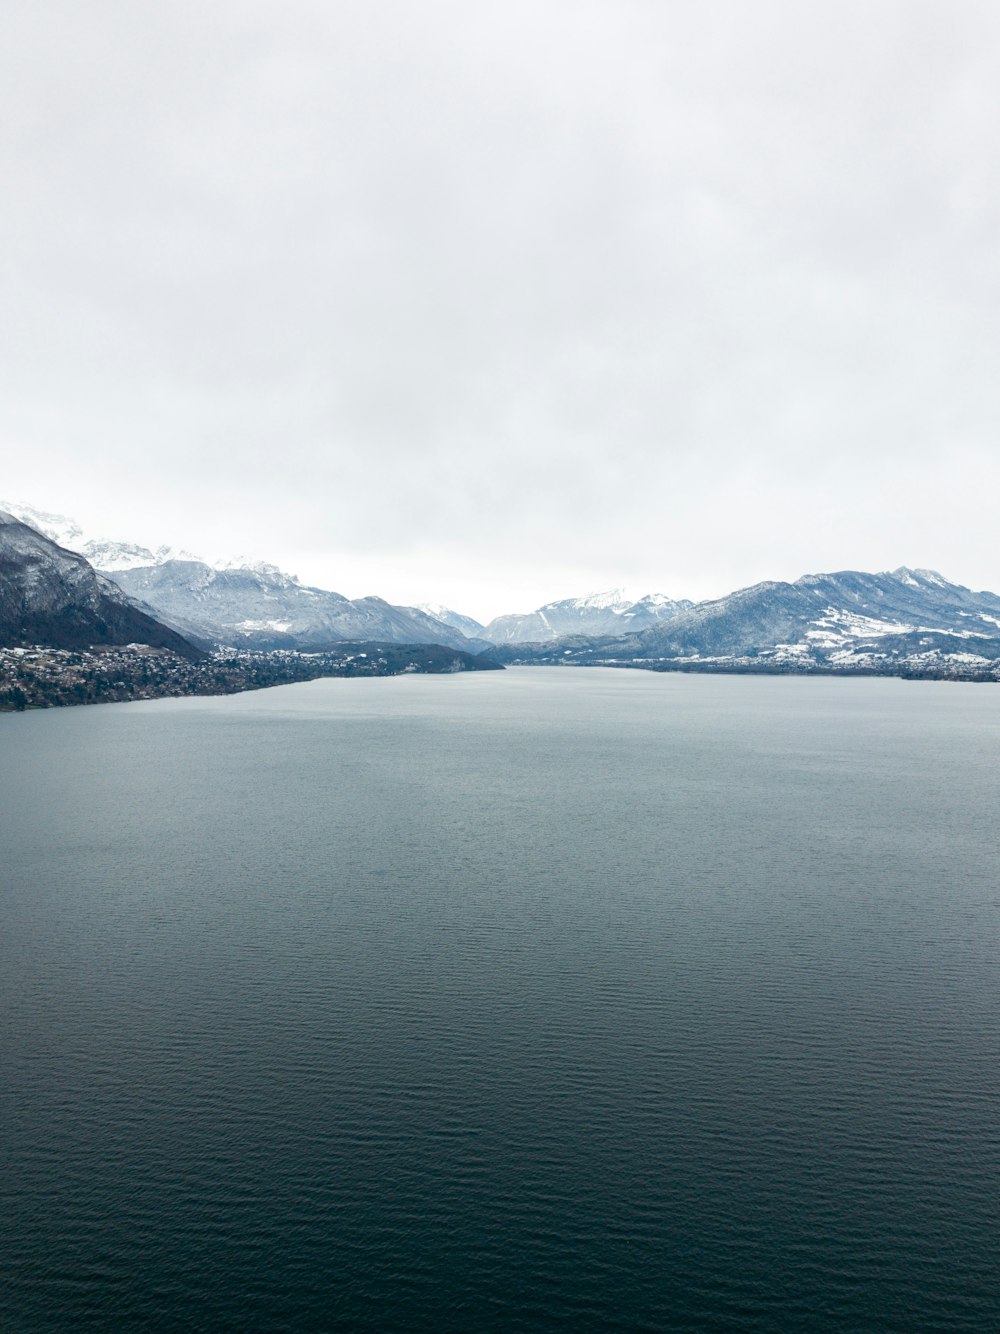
[(54, 597)]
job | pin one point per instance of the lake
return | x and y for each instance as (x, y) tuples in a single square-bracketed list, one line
[(541, 1000)]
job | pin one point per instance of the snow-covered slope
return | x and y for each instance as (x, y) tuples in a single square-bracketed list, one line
[(262, 607), (607, 613), (65, 532), (847, 619)]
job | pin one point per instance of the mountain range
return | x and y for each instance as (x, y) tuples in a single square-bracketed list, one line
[(260, 607), (242, 604), (253, 604), (904, 620), (595, 614)]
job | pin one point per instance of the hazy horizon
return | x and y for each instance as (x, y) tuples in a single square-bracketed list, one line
[(490, 306)]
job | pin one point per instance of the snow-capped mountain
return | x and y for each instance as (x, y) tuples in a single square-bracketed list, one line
[(112, 556), (849, 619), (830, 614), (608, 613), (240, 601), (262, 607), (103, 553), (65, 532), (52, 596), (469, 627)]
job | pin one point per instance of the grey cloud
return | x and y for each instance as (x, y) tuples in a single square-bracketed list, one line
[(444, 297)]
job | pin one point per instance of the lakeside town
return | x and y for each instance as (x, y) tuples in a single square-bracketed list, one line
[(41, 677)]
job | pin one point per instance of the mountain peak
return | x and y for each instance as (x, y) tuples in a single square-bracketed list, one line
[(916, 577), (448, 616), (65, 532), (612, 612), (261, 567), (611, 599)]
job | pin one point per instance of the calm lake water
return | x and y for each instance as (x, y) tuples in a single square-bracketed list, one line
[(529, 1001)]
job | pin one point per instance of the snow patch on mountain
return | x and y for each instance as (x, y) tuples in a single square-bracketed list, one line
[(840, 627)]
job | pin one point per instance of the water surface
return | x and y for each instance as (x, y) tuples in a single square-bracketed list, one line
[(526, 1001)]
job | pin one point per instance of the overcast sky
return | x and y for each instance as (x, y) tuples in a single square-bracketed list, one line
[(491, 303)]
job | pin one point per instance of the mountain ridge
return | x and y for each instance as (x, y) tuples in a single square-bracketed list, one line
[(260, 607), (593, 614), (848, 619), (244, 603)]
